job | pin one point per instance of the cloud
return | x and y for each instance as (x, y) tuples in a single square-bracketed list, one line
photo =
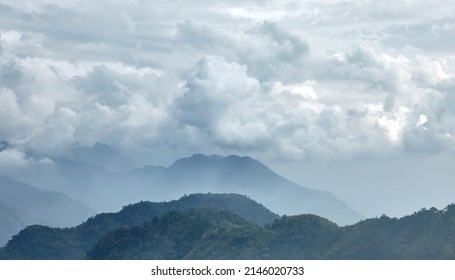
[(11, 158), (220, 100), (284, 79), (10, 114), (268, 50), (201, 36), (273, 53)]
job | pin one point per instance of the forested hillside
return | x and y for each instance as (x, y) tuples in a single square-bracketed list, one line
[(41, 242), (427, 234), (224, 227)]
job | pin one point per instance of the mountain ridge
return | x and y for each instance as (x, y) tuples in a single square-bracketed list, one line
[(42, 242), (207, 233), (102, 155), (24, 205), (248, 176), (106, 191)]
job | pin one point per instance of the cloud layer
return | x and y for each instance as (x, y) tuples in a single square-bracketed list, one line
[(274, 79)]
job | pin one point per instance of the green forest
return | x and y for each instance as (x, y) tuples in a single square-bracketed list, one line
[(230, 226)]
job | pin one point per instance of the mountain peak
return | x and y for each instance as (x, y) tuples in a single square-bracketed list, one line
[(217, 162), (242, 160), (199, 156), (248, 176), (198, 159), (216, 158)]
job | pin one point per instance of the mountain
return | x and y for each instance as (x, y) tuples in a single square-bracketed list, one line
[(427, 234), (244, 175), (100, 189), (42, 242), (210, 234), (81, 174), (155, 231), (107, 191), (101, 155), (207, 234), (22, 205), (10, 223), (175, 235)]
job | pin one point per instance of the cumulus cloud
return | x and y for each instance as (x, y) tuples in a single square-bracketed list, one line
[(222, 101), (12, 158), (212, 87), (285, 79)]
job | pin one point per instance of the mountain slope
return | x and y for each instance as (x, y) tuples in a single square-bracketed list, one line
[(22, 205), (47, 243), (427, 234), (173, 236), (244, 175), (102, 155), (106, 191), (10, 223), (91, 184), (207, 233)]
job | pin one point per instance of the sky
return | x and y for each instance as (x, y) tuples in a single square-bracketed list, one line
[(353, 97)]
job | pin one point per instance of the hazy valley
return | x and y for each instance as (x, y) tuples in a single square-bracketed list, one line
[(231, 226), (84, 176), (229, 218)]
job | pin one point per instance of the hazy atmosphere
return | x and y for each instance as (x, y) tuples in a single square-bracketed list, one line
[(356, 98)]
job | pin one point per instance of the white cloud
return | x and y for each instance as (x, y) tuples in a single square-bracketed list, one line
[(10, 37), (422, 121), (394, 125), (312, 82), (280, 79), (13, 124), (220, 100), (46, 161), (11, 158)]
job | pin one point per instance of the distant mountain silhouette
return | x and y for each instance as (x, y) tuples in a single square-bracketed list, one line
[(10, 223), (107, 191), (102, 155), (85, 182), (244, 175), (22, 205)]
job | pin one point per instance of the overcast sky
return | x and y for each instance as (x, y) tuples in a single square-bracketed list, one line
[(354, 97)]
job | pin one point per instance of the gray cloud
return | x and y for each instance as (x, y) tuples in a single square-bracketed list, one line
[(300, 81), (360, 90), (222, 101), (12, 158)]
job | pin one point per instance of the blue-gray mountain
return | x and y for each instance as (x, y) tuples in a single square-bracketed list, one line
[(247, 176), (86, 178), (102, 155), (22, 205)]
